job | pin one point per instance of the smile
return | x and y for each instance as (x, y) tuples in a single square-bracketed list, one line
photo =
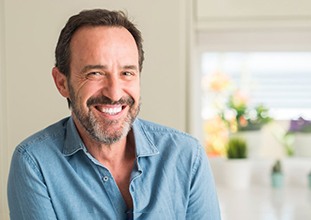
[(110, 110)]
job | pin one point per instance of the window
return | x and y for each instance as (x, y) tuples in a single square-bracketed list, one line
[(279, 80), (272, 65)]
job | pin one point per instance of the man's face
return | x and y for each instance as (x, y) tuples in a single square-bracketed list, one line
[(104, 84)]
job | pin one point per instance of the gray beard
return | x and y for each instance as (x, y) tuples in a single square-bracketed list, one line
[(98, 128)]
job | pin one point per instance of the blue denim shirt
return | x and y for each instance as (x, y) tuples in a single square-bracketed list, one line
[(52, 176)]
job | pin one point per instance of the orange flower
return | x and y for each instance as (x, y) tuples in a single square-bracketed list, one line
[(217, 82), (239, 99), (216, 136), (242, 121)]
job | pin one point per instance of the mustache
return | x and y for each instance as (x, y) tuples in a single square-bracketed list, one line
[(104, 100)]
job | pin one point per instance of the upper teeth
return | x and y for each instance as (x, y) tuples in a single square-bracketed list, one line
[(112, 111)]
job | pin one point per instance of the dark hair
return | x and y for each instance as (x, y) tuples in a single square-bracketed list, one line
[(95, 17)]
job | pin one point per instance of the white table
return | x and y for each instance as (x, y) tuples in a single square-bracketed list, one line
[(260, 201), (265, 203)]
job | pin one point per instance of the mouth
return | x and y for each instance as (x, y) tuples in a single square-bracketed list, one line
[(110, 110)]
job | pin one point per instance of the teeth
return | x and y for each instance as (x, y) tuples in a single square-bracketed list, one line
[(111, 111)]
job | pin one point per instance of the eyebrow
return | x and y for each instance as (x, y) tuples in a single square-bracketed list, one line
[(131, 67), (104, 67), (90, 67)]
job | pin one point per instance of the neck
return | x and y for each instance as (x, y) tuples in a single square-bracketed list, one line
[(116, 153), (123, 150)]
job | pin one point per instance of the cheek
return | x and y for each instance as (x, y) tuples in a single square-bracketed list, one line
[(135, 92), (85, 91)]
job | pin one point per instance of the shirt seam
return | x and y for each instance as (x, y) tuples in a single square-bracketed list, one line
[(163, 129), (30, 160), (197, 161), (39, 139)]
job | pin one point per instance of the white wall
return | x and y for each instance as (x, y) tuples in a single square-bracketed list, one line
[(3, 132), (250, 15), (28, 34)]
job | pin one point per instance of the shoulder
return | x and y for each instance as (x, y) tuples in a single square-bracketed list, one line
[(155, 128), (42, 140), (178, 151), (42, 147), (166, 137)]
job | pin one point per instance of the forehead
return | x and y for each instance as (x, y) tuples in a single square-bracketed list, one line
[(107, 34), (103, 44)]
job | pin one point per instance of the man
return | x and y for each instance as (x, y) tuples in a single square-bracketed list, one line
[(103, 162)]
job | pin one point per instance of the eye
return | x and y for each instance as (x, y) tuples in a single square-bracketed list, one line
[(94, 75), (127, 73)]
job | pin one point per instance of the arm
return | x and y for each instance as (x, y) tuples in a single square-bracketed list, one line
[(203, 201), (27, 193)]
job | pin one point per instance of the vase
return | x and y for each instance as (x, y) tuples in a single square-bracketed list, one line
[(302, 145), (237, 173), (253, 141), (277, 180)]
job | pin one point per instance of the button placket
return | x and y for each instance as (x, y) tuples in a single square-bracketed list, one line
[(112, 190)]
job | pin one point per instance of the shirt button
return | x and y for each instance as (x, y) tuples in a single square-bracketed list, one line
[(105, 178)]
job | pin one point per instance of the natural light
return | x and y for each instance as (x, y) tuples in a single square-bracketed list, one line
[(279, 80)]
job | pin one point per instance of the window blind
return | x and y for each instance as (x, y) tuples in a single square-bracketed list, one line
[(279, 80)]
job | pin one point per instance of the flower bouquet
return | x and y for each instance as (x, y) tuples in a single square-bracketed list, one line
[(229, 112), (241, 117)]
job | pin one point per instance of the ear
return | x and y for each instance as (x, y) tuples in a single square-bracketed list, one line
[(60, 81)]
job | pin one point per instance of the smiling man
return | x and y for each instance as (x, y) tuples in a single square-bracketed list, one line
[(103, 162)]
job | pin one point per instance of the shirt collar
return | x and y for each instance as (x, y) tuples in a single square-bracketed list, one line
[(73, 142), (144, 145)]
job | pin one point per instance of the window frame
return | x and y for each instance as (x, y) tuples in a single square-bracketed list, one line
[(243, 40)]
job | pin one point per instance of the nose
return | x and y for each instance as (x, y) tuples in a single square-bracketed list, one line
[(113, 88)]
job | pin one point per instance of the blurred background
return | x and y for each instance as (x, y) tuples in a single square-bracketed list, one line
[(235, 74)]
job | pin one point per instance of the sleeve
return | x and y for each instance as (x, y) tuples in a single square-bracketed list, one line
[(28, 196), (203, 201)]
